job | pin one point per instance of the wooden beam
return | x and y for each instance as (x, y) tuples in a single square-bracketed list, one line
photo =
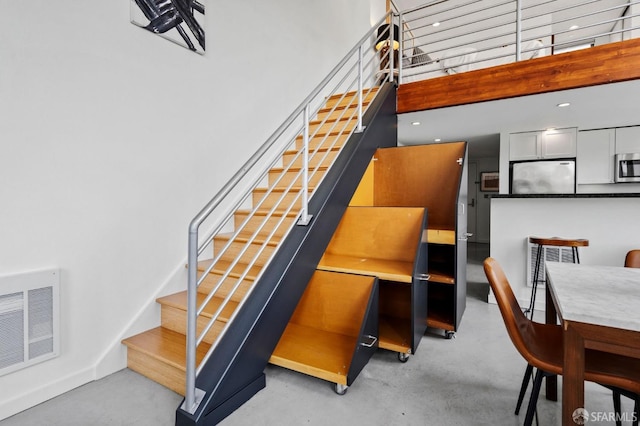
[(609, 63)]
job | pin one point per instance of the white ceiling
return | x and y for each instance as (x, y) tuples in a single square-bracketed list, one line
[(610, 105)]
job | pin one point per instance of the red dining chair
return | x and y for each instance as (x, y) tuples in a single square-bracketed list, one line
[(541, 345)]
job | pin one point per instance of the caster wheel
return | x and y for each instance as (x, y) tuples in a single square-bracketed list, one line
[(402, 357), (450, 335), (340, 389)]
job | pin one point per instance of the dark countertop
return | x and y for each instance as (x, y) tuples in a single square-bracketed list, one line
[(605, 195)]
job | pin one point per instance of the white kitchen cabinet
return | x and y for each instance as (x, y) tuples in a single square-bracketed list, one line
[(595, 152), (524, 146), (542, 145), (627, 140)]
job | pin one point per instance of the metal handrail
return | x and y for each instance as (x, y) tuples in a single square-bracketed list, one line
[(361, 61), (531, 24)]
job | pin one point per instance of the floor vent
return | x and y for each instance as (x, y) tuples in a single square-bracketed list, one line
[(29, 319), (550, 254)]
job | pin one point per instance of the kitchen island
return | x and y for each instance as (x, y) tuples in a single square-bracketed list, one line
[(611, 223)]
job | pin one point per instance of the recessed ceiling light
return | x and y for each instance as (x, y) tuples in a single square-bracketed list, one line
[(436, 24), (415, 123), (574, 27), (551, 129), (437, 140), (563, 104)]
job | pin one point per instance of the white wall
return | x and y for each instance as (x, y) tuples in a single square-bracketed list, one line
[(610, 225), (483, 200), (111, 140)]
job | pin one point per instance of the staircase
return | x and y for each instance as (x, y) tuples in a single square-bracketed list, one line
[(242, 254)]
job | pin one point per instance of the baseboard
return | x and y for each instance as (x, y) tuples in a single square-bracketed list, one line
[(19, 403), (114, 358)]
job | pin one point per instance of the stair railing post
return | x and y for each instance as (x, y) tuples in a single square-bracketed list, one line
[(401, 48), (190, 384), (359, 125), (518, 30), (305, 217), (391, 39)]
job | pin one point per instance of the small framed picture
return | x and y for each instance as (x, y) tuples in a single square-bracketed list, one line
[(490, 181)]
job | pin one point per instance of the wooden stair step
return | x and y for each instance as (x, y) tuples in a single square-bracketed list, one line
[(339, 124), (260, 219), (160, 355), (211, 281), (257, 252), (282, 176), (174, 314), (243, 238), (179, 301), (350, 98), (221, 267), (322, 156), (323, 140), (266, 198), (280, 190)]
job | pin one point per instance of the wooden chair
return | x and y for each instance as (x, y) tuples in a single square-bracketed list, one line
[(541, 345), (632, 260)]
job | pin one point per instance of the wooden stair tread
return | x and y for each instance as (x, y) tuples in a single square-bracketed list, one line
[(317, 151), (221, 267), (322, 134), (179, 300), (244, 237), (279, 170), (166, 345), (331, 119), (265, 212), (282, 189), (393, 270), (316, 352), (369, 91)]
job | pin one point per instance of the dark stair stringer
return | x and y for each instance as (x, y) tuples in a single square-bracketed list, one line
[(235, 371)]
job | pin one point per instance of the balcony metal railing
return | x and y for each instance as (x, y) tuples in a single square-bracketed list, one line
[(447, 36), (351, 81)]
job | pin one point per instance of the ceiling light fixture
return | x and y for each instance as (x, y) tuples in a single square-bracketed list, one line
[(574, 27), (437, 140), (563, 104), (436, 24), (415, 123)]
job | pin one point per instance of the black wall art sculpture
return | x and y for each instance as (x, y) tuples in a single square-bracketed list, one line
[(175, 20)]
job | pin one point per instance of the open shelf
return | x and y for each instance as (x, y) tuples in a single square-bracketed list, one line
[(441, 297), (395, 315)]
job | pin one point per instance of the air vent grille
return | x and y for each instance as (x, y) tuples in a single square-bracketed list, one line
[(29, 325)]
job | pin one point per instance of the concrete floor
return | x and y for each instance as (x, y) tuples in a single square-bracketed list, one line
[(473, 379)]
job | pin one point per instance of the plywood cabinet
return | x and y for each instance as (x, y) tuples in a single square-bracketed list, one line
[(387, 242), (334, 329), (431, 176)]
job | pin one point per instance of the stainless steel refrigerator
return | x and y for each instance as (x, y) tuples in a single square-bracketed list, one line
[(543, 177)]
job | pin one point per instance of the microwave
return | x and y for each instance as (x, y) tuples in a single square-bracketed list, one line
[(627, 168)]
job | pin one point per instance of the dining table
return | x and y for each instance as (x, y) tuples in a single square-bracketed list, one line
[(598, 308)]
